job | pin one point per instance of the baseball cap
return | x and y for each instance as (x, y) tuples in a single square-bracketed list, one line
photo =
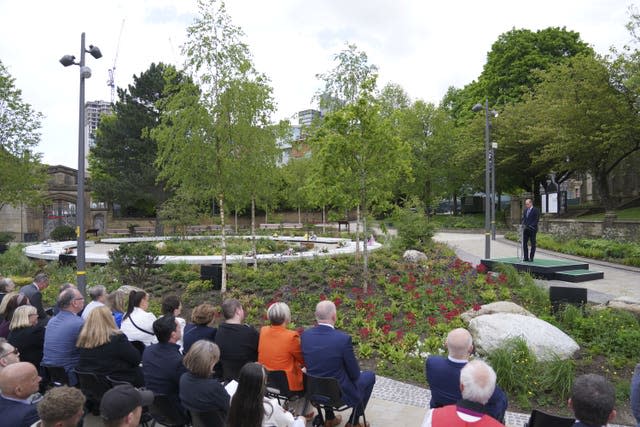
[(123, 399)]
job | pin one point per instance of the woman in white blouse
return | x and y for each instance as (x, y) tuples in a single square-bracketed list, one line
[(137, 323)]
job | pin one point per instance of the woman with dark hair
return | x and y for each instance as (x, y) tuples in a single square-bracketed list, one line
[(26, 334), (105, 350), (171, 305), (10, 302), (250, 407), (198, 391), (137, 322), (199, 328)]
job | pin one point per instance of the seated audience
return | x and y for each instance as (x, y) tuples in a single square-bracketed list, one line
[(199, 328), (238, 342), (279, 350), (250, 407), (10, 302), (61, 407), (199, 392), (27, 335), (329, 353), (137, 323), (98, 295), (6, 286), (33, 291), (122, 405), (477, 382), (62, 332), (171, 305), (593, 401), (8, 354), (105, 350), (116, 302), (162, 362), (443, 375), (18, 382)]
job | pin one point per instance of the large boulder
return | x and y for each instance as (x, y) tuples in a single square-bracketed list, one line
[(491, 331), (495, 307), (623, 303), (414, 257)]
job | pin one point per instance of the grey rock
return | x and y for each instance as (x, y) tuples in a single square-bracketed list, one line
[(495, 307), (414, 256)]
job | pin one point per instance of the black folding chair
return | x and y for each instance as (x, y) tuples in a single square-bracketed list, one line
[(542, 419), (166, 411), (278, 388), (56, 375), (325, 393), (207, 419), (93, 387)]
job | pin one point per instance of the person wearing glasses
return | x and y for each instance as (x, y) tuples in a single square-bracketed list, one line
[(62, 333), (8, 354)]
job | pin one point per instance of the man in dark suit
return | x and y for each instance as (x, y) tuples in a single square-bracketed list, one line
[(529, 223), (32, 291), (443, 375), (329, 353), (593, 400), (17, 383)]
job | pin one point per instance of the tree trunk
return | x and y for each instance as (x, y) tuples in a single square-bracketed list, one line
[(357, 257), (324, 220), (605, 196), (254, 250), (299, 216), (236, 220), (223, 284), (455, 203), (365, 252)]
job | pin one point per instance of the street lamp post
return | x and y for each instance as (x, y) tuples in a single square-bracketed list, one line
[(85, 73), (494, 146), (487, 181)]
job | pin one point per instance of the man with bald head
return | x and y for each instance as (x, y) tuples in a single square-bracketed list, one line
[(443, 375), (329, 353), (477, 384), (18, 382)]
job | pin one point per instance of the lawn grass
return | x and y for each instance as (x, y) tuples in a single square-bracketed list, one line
[(626, 214)]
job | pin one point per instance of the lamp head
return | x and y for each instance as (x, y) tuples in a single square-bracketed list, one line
[(68, 60), (95, 51), (476, 108), (85, 72)]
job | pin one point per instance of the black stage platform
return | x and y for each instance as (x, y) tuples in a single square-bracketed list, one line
[(550, 269)]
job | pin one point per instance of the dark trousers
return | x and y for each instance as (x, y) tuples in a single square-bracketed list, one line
[(365, 384), (528, 234)]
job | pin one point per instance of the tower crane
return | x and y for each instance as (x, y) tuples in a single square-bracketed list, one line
[(112, 71)]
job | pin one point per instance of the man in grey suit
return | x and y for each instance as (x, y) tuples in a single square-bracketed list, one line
[(32, 291)]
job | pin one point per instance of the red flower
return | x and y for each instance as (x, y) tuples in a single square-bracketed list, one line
[(386, 329), (481, 268), (416, 295), (364, 332), (399, 335), (394, 279), (388, 316), (458, 301), (337, 301), (476, 307), (432, 320), (323, 297), (502, 278), (429, 291)]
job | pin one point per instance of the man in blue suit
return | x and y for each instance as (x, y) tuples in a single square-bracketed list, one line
[(18, 382), (443, 375), (593, 400), (529, 223), (329, 353)]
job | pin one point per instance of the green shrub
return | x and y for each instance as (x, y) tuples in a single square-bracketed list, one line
[(414, 229), (14, 262), (63, 232), (5, 237), (134, 262)]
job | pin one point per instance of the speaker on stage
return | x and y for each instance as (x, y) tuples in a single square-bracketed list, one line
[(561, 295), (213, 273)]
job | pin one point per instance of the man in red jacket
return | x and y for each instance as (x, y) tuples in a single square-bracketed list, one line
[(477, 382)]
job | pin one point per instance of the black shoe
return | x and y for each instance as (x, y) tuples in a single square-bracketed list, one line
[(525, 260)]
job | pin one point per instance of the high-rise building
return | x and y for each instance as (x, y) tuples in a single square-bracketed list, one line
[(93, 110), (306, 117)]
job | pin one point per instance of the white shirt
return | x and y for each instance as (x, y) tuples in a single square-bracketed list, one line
[(89, 307), (142, 319), (275, 415)]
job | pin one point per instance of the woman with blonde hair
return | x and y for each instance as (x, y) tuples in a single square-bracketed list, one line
[(105, 350), (27, 335), (116, 302), (10, 302), (199, 392)]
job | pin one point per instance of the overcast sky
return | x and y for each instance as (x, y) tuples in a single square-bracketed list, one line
[(424, 46)]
